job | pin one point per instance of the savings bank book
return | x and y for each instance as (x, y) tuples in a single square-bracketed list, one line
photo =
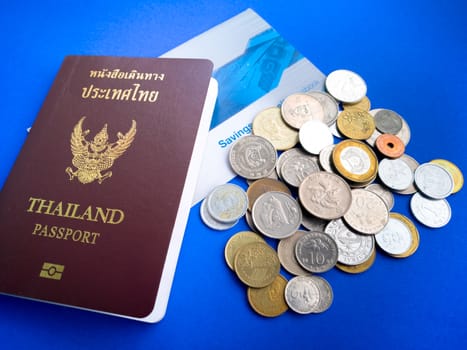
[(94, 209), (255, 68)]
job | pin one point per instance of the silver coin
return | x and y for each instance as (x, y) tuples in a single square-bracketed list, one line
[(250, 223), (302, 294), (383, 192), (253, 157), (326, 296), (335, 132), (395, 173), (298, 166), (433, 181), (314, 135), (433, 213), (298, 108), (329, 104), (287, 154), (413, 164), (404, 133), (372, 139), (311, 222), (388, 122), (276, 214), (325, 158), (395, 238), (316, 252), (354, 249), (325, 195), (211, 222), (273, 175), (286, 253), (346, 86), (227, 203), (368, 214)]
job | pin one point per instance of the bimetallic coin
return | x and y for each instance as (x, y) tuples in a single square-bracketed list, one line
[(302, 294), (329, 104), (286, 253), (269, 301), (269, 124), (354, 269), (388, 122), (256, 264), (368, 214), (363, 104), (455, 172), (356, 124), (299, 108), (433, 213), (415, 236), (390, 145), (354, 249), (276, 214), (227, 203), (236, 242), (252, 157), (395, 238), (211, 222), (346, 86), (316, 252), (325, 195), (314, 135), (298, 166), (258, 187), (395, 173), (383, 192), (355, 161), (433, 181)]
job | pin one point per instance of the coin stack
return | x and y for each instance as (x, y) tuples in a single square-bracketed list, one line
[(321, 171)]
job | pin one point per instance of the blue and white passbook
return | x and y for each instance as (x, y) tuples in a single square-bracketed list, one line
[(255, 68)]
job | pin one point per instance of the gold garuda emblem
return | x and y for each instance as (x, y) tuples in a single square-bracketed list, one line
[(93, 158)]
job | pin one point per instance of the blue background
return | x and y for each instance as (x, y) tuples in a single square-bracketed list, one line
[(412, 55)]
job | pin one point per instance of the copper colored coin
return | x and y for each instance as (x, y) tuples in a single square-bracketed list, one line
[(390, 145), (264, 185)]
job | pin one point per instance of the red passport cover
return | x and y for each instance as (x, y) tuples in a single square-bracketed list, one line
[(89, 211)]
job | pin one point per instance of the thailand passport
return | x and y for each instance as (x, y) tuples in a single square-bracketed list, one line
[(94, 209)]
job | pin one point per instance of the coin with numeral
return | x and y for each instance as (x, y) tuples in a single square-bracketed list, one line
[(316, 252)]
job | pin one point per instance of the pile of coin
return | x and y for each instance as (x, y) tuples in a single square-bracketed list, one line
[(327, 203)]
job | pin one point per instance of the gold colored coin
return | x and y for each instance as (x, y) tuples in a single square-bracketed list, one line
[(455, 172), (269, 301), (236, 242), (256, 264), (269, 124), (355, 161), (264, 185), (354, 269), (414, 233), (363, 104), (356, 124)]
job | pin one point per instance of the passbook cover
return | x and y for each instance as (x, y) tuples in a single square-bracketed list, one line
[(256, 68), (93, 212)]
